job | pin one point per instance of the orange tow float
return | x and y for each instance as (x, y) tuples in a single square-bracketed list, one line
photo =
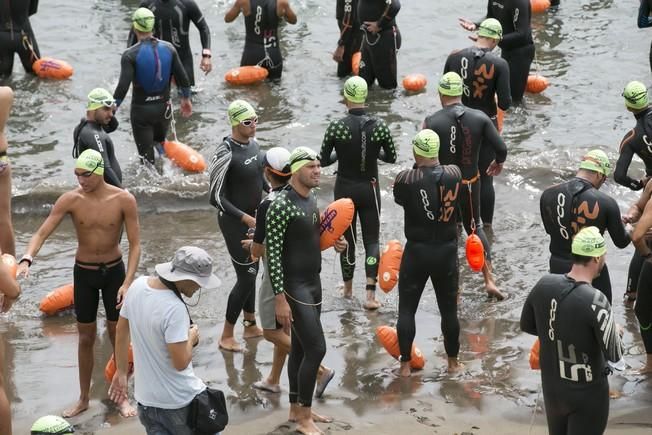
[(389, 265), (184, 156), (389, 339), (534, 355), (246, 75), (539, 6), (474, 252), (50, 68), (110, 368), (414, 82), (335, 219), (355, 62), (59, 299), (536, 83)]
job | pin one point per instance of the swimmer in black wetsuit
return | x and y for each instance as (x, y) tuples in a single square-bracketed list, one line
[(644, 19), (262, 41), (381, 41), (93, 132), (294, 256), (173, 19), (575, 326), (486, 82), (429, 196), (466, 131), (359, 142), (346, 12), (568, 207), (517, 45), (16, 35), (236, 188), (150, 65)]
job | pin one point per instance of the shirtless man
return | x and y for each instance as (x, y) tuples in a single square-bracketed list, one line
[(7, 242), (9, 292), (98, 211)]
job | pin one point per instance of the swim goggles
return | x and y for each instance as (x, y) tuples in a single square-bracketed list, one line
[(249, 122), (88, 173), (107, 102)]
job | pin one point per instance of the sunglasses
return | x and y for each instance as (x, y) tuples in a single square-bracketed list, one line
[(249, 122)]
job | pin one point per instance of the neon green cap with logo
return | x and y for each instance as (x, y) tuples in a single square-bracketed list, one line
[(451, 84), (99, 97), (635, 94), (91, 161), (355, 89), (240, 111), (490, 28), (426, 144), (597, 161), (51, 425), (143, 20), (588, 242), (300, 157)]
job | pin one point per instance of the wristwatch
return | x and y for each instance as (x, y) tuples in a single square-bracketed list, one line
[(206, 53), (27, 258)]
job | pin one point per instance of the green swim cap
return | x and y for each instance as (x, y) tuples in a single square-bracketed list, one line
[(90, 160), (99, 97), (589, 243), (143, 20), (240, 110), (51, 425), (635, 94), (451, 84), (491, 28), (597, 161), (426, 144), (300, 157), (355, 89)]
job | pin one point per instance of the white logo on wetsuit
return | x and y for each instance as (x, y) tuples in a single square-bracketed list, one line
[(100, 148), (575, 366), (464, 74), (561, 201), (347, 6), (426, 204), (648, 143), (553, 312), (453, 137), (259, 18), (363, 149), (251, 159)]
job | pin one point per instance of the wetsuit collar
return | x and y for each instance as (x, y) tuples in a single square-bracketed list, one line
[(238, 143), (643, 113), (358, 111)]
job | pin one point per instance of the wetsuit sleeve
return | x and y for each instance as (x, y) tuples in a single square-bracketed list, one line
[(131, 39), (111, 173), (126, 77), (398, 189), (345, 21), (520, 36), (261, 212), (218, 169), (197, 17), (390, 13), (503, 90), (493, 139), (327, 154), (604, 329), (33, 7), (622, 165), (528, 322), (277, 222), (644, 19), (180, 75), (112, 125), (615, 226), (382, 136)]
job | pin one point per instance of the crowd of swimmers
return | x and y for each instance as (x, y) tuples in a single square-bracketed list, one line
[(267, 212)]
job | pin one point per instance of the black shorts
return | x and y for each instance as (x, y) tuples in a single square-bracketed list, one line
[(88, 284)]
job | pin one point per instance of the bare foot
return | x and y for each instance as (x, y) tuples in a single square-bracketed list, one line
[(80, 406), (252, 332), (230, 344), (321, 418), (308, 427), (455, 366), (493, 292), (405, 371), (371, 304), (645, 370), (126, 410), (614, 394)]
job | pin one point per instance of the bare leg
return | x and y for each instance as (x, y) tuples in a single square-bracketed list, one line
[(7, 241), (252, 331), (348, 289), (5, 409), (85, 357), (454, 365), (125, 408), (281, 343), (228, 341), (489, 283), (405, 370), (371, 303), (305, 421)]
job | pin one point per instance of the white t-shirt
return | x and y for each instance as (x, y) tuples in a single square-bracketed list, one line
[(156, 318)]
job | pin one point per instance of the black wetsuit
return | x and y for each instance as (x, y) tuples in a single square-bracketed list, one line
[(294, 259), (16, 35), (346, 12), (91, 135), (568, 207), (517, 46), (644, 19), (379, 50), (236, 188), (486, 76), (463, 132), (429, 198), (150, 65), (637, 141), (173, 19), (262, 44), (577, 332), (359, 141)]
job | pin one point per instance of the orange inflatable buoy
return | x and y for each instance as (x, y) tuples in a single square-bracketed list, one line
[(10, 262), (334, 221), (50, 68), (58, 299), (355, 62), (534, 355), (110, 368), (390, 263), (475, 252), (246, 75), (536, 83), (414, 82), (184, 156), (539, 6), (500, 118), (389, 339)]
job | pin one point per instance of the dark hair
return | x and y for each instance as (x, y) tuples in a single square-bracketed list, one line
[(582, 260), (281, 179)]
